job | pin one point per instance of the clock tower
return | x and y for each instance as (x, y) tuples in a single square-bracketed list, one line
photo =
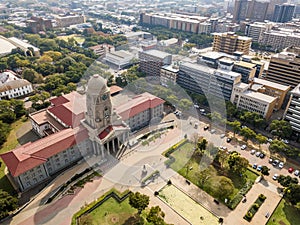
[(98, 103)]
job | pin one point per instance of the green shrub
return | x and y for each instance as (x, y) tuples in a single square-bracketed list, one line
[(262, 197), (255, 206)]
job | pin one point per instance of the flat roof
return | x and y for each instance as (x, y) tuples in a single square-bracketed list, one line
[(198, 67), (5, 46), (245, 64), (157, 53), (171, 68), (271, 84), (259, 96)]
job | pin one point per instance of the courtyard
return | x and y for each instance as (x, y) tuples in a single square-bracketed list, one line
[(186, 206)]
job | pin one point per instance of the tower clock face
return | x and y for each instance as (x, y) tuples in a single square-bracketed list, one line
[(104, 97)]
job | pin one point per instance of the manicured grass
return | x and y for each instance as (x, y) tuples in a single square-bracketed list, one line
[(285, 214), (182, 155), (11, 143), (112, 212), (187, 207), (79, 39)]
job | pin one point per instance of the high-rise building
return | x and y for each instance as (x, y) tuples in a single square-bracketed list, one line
[(284, 68), (202, 79), (283, 13), (271, 7), (292, 113), (241, 8), (151, 61), (230, 42)]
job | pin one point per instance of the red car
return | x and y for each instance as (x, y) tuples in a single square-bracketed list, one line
[(290, 170)]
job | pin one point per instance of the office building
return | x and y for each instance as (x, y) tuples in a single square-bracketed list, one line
[(231, 43), (119, 59), (292, 113), (241, 8), (202, 79), (68, 20), (273, 89), (283, 13), (257, 29), (246, 69), (246, 98), (152, 61), (37, 24), (284, 68)]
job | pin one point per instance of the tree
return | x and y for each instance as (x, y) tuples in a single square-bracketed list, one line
[(205, 175), (292, 194), (231, 109), (8, 203), (202, 144), (184, 104), (248, 133), (281, 128), (237, 163), (156, 216), (236, 126), (3, 66), (261, 139), (287, 181), (32, 76), (265, 170), (138, 201), (4, 132), (278, 146), (223, 187)]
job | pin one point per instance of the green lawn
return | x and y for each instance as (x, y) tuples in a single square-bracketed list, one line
[(79, 39), (285, 214), (111, 212), (10, 144), (182, 155)]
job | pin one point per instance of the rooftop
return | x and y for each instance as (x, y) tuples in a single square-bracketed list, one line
[(271, 84), (157, 53), (259, 96), (10, 85), (36, 153), (245, 64)]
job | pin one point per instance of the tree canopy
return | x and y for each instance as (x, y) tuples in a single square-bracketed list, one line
[(139, 201)]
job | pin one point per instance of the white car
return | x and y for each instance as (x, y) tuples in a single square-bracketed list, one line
[(243, 147), (296, 173), (252, 152), (285, 141), (280, 165), (275, 177), (196, 106), (222, 135)]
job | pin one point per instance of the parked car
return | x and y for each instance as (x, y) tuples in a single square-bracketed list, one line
[(275, 162), (228, 140), (252, 152), (254, 166), (291, 169), (270, 160), (213, 131), (202, 110), (222, 135), (257, 154), (285, 141), (280, 165), (196, 106), (262, 155), (259, 168), (296, 173), (243, 147), (270, 140), (275, 177), (206, 127)]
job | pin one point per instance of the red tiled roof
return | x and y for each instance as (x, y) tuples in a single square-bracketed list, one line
[(105, 132), (59, 100), (115, 89), (138, 104), (36, 153)]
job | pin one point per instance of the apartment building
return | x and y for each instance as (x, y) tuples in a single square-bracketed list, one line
[(273, 89), (283, 13), (256, 30), (292, 114), (68, 20), (202, 79), (246, 98), (230, 43), (284, 68), (152, 61), (246, 69), (168, 74)]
